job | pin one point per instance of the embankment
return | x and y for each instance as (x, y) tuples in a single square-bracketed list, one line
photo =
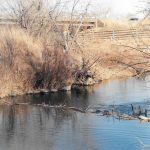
[(27, 64)]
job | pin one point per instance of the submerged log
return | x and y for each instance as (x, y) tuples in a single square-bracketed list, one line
[(126, 117), (137, 112), (61, 107), (77, 109), (107, 112), (22, 103)]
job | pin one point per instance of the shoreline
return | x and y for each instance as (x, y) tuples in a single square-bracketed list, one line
[(35, 68), (65, 89)]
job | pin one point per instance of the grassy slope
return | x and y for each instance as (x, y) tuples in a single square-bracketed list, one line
[(22, 62)]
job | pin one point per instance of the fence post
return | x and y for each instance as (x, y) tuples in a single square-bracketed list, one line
[(137, 35), (113, 36)]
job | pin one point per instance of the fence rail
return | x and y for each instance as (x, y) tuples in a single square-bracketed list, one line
[(103, 34), (122, 34)]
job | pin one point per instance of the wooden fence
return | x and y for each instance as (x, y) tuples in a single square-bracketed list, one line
[(118, 34), (101, 34)]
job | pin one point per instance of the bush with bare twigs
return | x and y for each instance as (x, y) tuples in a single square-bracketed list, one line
[(26, 64), (56, 70)]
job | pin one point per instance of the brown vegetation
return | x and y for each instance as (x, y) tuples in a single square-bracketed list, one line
[(27, 65), (34, 55), (38, 54)]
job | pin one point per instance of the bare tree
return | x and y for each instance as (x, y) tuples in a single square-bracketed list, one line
[(40, 18)]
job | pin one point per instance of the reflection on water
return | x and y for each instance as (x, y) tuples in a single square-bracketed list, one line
[(37, 128), (27, 127)]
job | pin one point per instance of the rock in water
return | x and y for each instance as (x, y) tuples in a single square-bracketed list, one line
[(107, 112), (54, 90), (89, 82), (66, 88), (98, 111), (144, 118)]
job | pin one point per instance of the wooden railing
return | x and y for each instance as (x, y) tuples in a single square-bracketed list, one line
[(118, 34), (101, 34)]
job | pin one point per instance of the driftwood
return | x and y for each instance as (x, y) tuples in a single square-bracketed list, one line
[(22, 103), (126, 117), (137, 112), (144, 118), (61, 107), (56, 107)]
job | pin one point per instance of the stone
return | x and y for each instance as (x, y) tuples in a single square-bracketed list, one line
[(66, 88), (30, 92), (54, 90), (44, 90), (107, 112), (36, 92), (89, 82), (98, 111)]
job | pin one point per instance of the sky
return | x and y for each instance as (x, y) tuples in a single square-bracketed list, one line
[(119, 8), (115, 8), (110, 8)]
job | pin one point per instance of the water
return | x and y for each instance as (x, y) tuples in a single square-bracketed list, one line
[(38, 128)]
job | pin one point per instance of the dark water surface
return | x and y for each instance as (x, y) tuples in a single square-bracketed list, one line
[(36, 128)]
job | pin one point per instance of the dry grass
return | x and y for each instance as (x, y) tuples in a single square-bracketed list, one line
[(55, 71), (27, 64), (115, 57), (125, 23), (120, 23), (18, 51)]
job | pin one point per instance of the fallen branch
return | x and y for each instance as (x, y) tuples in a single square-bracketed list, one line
[(144, 118), (21, 103), (61, 107)]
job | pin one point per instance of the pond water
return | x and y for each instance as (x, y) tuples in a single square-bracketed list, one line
[(38, 128)]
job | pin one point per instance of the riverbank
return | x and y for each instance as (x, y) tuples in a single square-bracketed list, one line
[(28, 65)]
